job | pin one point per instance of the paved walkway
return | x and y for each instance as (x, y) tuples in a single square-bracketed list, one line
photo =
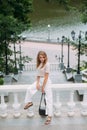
[(38, 124), (28, 77)]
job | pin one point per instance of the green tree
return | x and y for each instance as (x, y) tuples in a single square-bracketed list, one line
[(84, 11), (14, 19)]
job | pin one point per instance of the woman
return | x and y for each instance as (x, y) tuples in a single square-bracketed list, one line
[(42, 83)]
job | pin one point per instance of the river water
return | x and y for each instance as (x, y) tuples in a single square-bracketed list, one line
[(61, 22)]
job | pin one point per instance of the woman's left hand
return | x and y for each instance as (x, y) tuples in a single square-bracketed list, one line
[(43, 89)]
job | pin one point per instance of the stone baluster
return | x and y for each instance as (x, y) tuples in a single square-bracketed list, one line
[(27, 67), (50, 67), (84, 104), (57, 105), (71, 104), (16, 106), (24, 68), (32, 67), (55, 68), (30, 112), (3, 107), (35, 67)]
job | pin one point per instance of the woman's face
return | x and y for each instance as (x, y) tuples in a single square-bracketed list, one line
[(42, 58)]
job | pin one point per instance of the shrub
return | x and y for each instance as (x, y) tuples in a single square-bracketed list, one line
[(1, 81)]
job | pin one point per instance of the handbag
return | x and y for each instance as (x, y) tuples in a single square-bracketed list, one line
[(42, 111)]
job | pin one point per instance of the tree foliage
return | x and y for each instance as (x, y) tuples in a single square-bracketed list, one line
[(84, 11), (14, 16), (14, 19)]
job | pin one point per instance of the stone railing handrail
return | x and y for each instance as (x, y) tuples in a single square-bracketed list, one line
[(15, 89), (22, 88)]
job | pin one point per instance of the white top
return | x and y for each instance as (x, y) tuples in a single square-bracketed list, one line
[(41, 71)]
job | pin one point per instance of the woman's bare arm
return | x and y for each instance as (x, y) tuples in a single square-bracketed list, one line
[(45, 81), (38, 83)]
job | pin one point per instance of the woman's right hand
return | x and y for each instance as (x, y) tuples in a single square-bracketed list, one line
[(38, 86)]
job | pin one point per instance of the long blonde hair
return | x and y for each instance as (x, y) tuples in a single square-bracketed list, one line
[(38, 59)]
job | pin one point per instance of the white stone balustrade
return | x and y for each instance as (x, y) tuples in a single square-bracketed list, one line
[(15, 90), (32, 66)]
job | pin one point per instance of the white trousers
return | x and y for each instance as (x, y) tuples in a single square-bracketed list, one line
[(48, 95)]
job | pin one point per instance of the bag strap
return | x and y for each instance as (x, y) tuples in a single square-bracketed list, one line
[(43, 95)]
